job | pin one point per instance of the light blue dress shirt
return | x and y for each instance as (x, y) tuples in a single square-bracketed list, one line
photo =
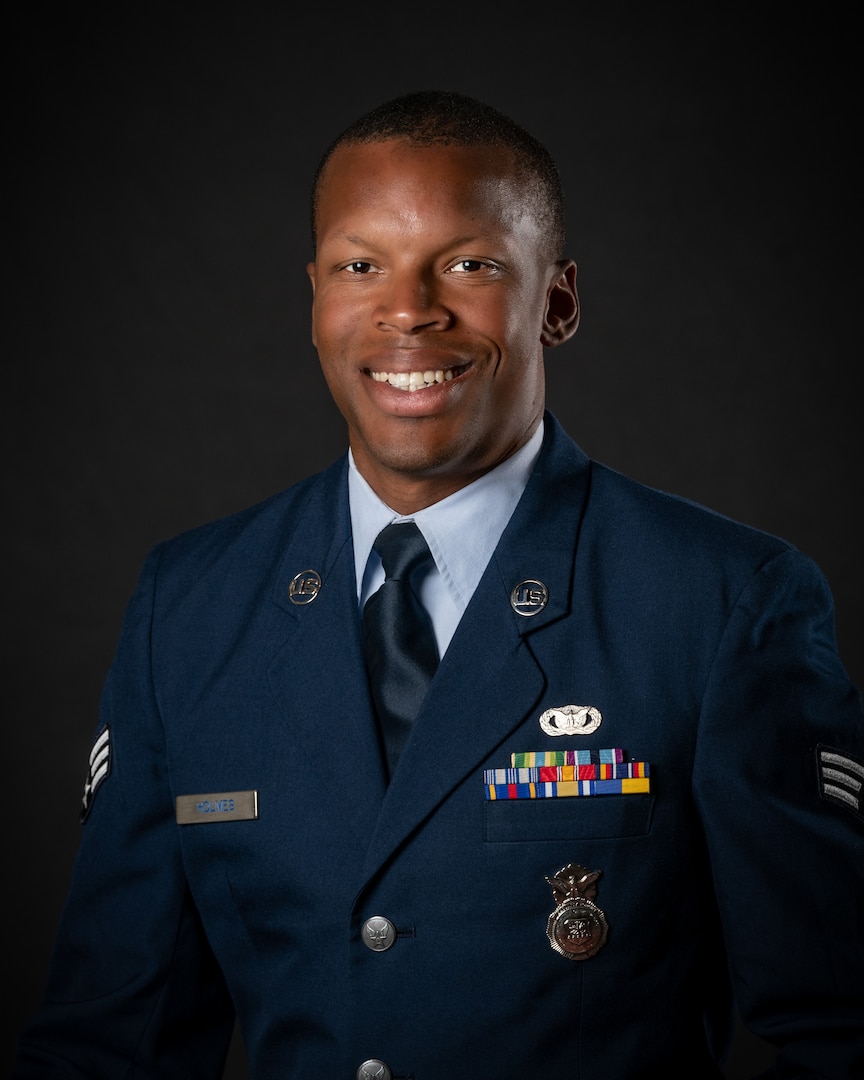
[(462, 531)]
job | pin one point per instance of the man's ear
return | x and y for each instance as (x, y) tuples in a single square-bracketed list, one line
[(562, 307), (310, 270)]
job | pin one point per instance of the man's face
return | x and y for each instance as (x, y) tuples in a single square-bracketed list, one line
[(431, 269)]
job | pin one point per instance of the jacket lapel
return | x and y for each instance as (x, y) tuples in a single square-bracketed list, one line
[(489, 680), (317, 671)]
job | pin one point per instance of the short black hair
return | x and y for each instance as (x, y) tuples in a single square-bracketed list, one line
[(445, 118)]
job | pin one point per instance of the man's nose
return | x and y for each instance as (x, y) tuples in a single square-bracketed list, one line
[(410, 302)]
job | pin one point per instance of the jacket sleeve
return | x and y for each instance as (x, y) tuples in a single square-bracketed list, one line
[(133, 988), (778, 780)]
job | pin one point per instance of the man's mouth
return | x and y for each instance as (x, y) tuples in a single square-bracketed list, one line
[(415, 380)]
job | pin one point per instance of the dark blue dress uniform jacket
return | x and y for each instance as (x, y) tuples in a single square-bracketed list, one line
[(708, 648)]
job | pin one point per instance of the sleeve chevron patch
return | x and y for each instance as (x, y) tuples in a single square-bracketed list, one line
[(841, 778), (98, 768)]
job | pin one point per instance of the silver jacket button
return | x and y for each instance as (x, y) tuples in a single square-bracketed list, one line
[(378, 935), (373, 1069)]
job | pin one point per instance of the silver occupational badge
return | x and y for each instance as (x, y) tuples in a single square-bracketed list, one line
[(577, 928), (571, 720), (304, 587)]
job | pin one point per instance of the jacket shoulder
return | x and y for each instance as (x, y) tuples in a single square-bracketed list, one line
[(257, 532), (674, 523)]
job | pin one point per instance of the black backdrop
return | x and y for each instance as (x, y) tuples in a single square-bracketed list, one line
[(158, 366)]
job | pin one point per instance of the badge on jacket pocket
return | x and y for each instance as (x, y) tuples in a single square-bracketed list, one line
[(577, 928)]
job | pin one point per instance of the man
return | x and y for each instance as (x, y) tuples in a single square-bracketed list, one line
[(423, 904)]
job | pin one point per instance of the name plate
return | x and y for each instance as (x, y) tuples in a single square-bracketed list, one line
[(217, 806)]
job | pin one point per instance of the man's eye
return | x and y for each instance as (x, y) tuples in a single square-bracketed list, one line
[(359, 267), (467, 266)]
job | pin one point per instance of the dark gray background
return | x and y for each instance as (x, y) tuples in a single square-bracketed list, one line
[(158, 367)]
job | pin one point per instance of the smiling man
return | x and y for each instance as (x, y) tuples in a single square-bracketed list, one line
[(438, 280), (468, 757)]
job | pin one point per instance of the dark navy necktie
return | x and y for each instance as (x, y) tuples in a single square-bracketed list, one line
[(401, 653)]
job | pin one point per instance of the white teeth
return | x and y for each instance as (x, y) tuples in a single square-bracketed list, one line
[(412, 380)]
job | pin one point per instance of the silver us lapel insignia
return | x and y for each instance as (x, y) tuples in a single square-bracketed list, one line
[(304, 587), (577, 928)]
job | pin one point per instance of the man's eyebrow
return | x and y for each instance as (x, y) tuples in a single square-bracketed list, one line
[(352, 238)]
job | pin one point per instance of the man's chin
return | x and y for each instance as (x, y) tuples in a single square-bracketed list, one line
[(414, 459), (417, 450)]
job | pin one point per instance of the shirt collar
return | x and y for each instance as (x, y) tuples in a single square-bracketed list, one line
[(462, 530)]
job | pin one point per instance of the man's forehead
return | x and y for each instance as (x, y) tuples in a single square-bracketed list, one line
[(409, 194), (395, 181), (393, 169)]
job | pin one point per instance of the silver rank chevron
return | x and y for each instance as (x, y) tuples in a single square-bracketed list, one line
[(98, 768), (841, 778)]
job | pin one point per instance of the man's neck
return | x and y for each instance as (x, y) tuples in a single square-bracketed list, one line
[(407, 492)]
